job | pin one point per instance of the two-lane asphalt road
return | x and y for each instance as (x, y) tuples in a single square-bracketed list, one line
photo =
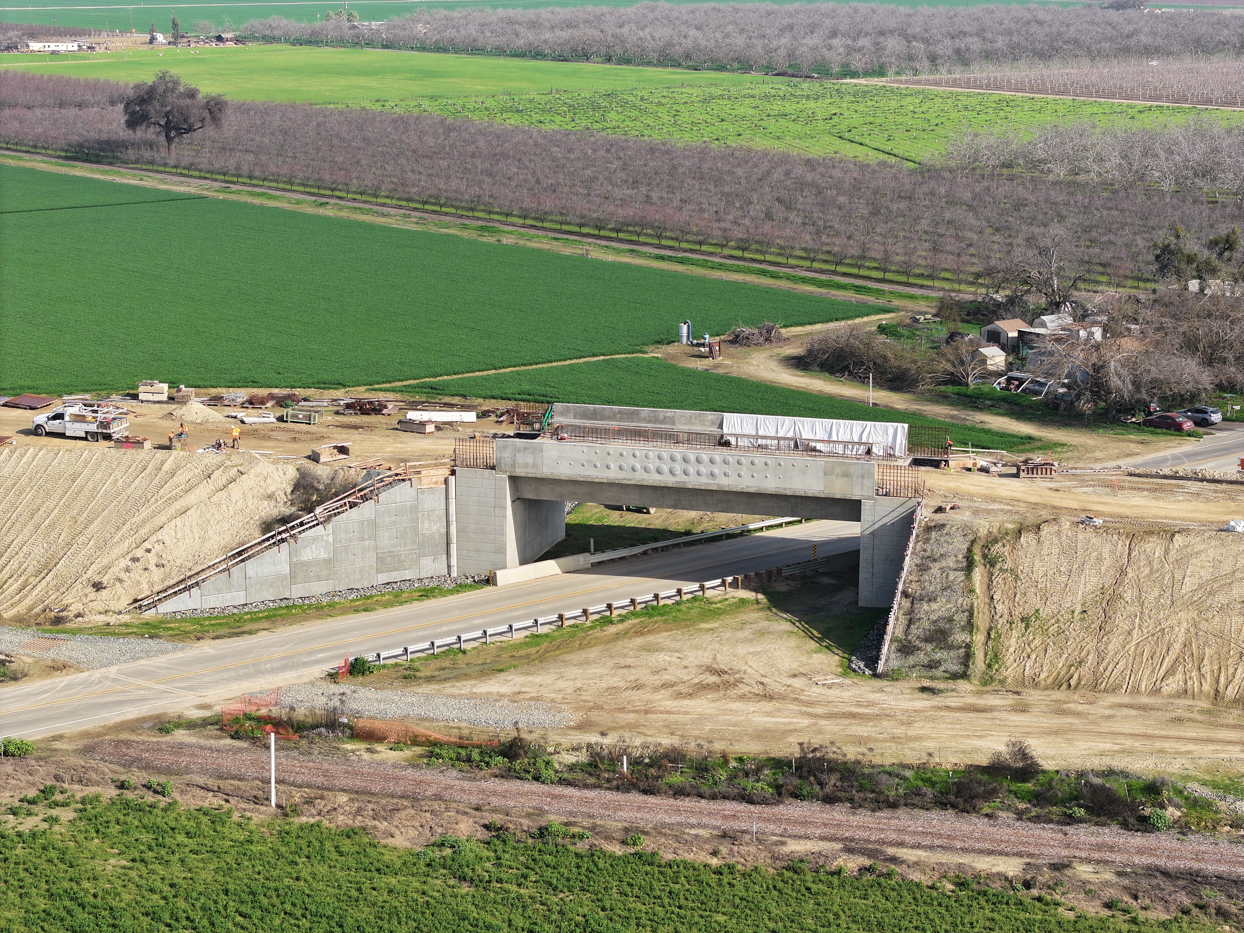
[(226, 668), (1222, 450)]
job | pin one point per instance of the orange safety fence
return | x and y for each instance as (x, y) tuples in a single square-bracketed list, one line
[(385, 730), (247, 705)]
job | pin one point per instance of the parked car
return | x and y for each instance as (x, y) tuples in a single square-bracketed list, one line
[(1169, 421), (1202, 415)]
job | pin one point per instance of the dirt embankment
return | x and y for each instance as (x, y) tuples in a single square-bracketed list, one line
[(88, 530), (1047, 603)]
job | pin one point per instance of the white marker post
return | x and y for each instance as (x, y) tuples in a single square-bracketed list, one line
[(272, 772)]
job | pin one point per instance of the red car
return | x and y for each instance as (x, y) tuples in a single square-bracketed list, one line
[(1170, 422)]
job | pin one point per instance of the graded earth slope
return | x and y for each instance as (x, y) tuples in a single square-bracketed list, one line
[(1048, 603), (89, 529)]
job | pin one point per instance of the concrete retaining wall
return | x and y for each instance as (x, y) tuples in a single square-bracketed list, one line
[(399, 536), (496, 529), (885, 529)]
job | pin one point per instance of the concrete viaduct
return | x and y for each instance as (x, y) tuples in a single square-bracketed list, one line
[(511, 513)]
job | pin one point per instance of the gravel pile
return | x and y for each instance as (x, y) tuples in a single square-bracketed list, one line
[(867, 657), (444, 582), (485, 712), (90, 652)]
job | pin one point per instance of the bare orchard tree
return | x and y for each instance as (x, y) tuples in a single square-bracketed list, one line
[(172, 109), (1052, 266), (957, 364)]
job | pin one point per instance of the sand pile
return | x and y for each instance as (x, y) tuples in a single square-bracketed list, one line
[(195, 413), (92, 529), (1056, 605)]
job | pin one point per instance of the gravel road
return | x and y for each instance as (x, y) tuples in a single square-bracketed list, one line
[(486, 712), (89, 652), (937, 830)]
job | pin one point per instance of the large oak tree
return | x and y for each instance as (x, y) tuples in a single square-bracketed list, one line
[(172, 109)]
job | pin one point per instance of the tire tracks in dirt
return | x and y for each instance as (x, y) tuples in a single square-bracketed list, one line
[(925, 830)]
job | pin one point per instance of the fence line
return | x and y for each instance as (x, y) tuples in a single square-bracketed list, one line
[(475, 453)]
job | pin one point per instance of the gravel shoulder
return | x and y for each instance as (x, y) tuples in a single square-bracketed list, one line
[(88, 652), (484, 712), (941, 831)]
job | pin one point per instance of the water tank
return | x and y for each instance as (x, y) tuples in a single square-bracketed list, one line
[(684, 332)]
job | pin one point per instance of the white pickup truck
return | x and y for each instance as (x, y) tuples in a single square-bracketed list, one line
[(89, 421)]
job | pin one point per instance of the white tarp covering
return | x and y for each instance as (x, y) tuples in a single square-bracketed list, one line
[(819, 434)]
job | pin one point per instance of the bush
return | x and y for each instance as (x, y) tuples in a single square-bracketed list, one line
[(159, 788), (855, 353), (1159, 819), (635, 841), (1017, 762), (361, 667), (16, 748)]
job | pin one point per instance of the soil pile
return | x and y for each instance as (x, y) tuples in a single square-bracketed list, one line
[(1053, 604), (91, 529), (195, 413)]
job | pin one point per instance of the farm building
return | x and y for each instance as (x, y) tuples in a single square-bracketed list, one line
[(49, 46), (994, 358), (1004, 334)]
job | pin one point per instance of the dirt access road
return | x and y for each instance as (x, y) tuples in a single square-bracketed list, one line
[(776, 366), (951, 832), (369, 435)]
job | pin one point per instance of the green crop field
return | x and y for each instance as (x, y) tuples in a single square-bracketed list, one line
[(227, 15), (645, 382), (140, 865), (810, 117), (866, 121), (212, 293), (355, 76)]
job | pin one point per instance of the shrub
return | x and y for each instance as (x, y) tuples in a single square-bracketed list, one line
[(16, 748), (1159, 819), (361, 667), (159, 788), (635, 841), (1017, 761)]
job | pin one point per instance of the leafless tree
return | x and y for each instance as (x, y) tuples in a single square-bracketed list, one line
[(956, 363)]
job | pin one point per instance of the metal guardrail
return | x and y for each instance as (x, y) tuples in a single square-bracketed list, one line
[(587, 613), (619, 553), (330, 509)]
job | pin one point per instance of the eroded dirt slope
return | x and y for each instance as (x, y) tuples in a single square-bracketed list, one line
[(90, 529), (1051, 604)]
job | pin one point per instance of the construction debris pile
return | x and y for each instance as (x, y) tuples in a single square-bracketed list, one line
[(766, 335)]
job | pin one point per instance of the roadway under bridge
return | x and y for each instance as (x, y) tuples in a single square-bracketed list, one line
[(507, 505)]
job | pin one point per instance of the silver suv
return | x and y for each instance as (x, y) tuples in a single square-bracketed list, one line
[(1202, 415)]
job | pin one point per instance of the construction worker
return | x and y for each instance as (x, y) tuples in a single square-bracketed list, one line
[(237, 435)]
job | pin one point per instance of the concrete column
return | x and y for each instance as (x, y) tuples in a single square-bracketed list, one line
[(451, 526)]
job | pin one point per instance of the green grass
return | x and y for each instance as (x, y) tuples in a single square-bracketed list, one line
[(357, 76), (646, 382), (51, 191), (210, 292), (810, 117), (228, 15), (141, 864)]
